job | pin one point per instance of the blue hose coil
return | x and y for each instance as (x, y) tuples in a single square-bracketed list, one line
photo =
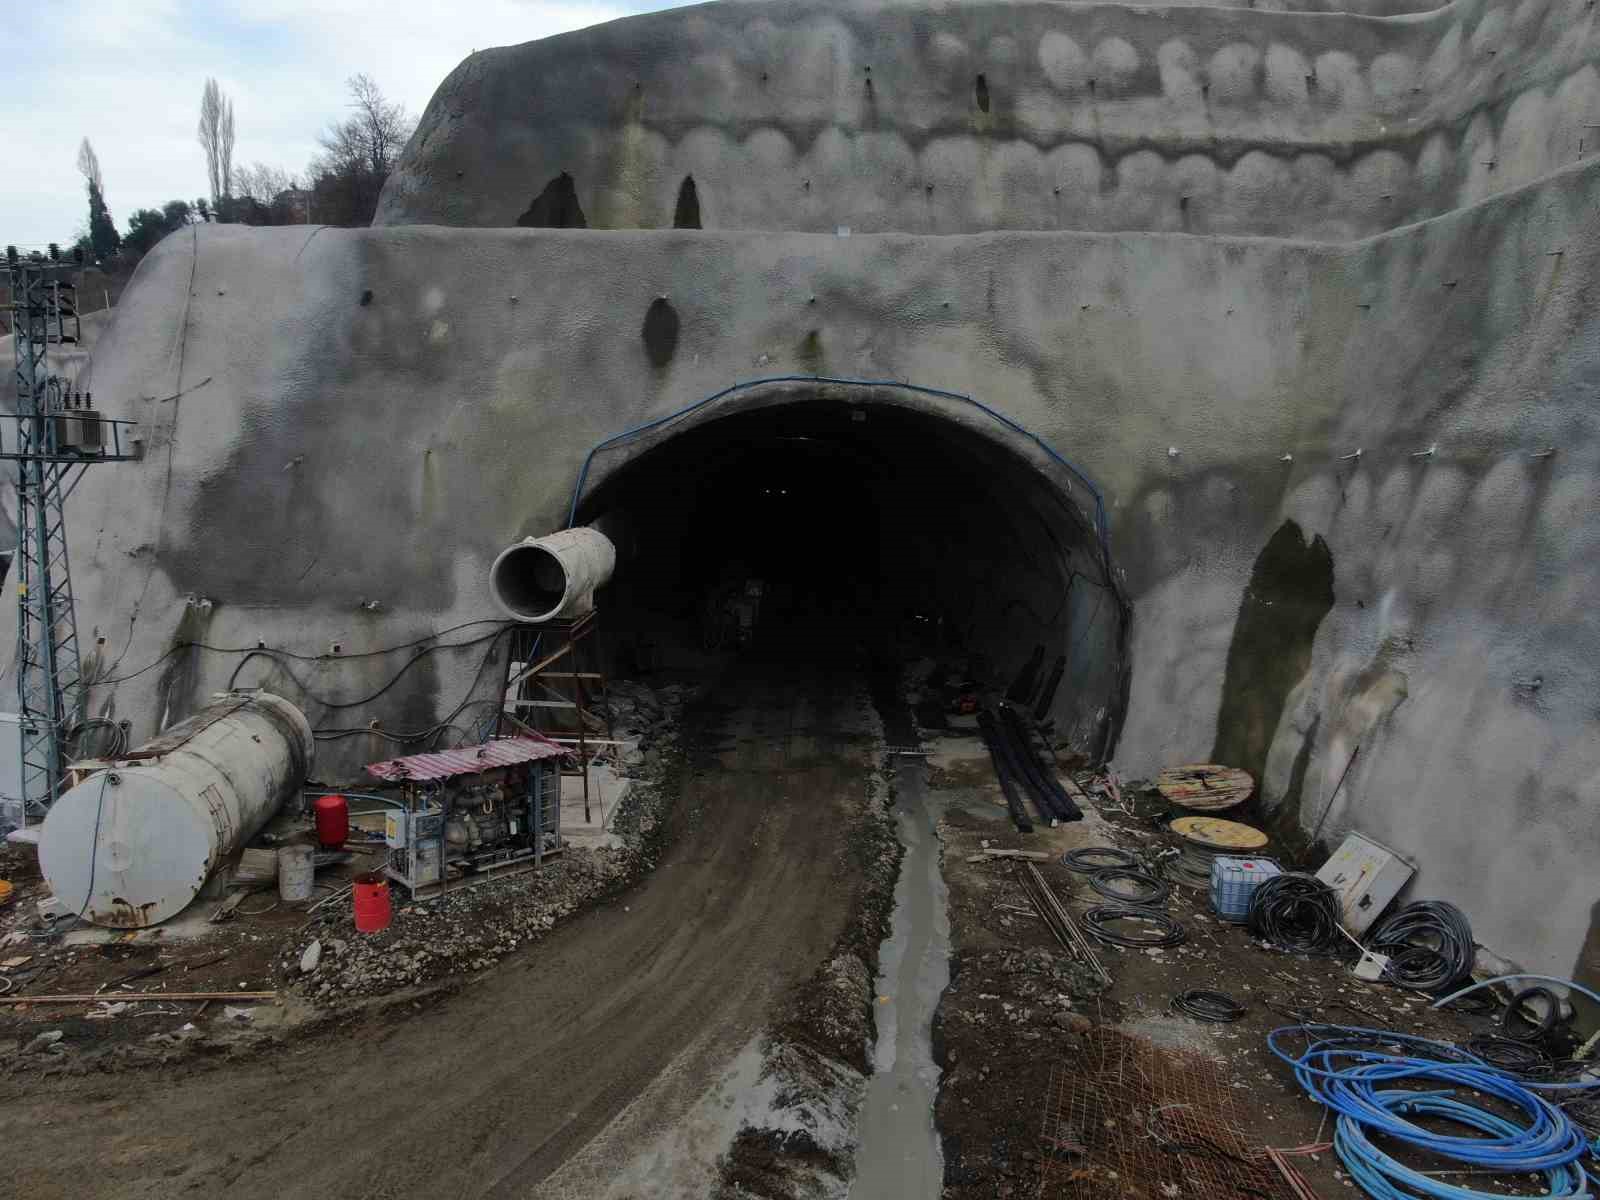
[(1343, 1068)]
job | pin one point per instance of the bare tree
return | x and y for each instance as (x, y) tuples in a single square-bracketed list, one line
[(262, 183), (216, 139), (227, 151), (89, 165), (358, 154), (371, 138)]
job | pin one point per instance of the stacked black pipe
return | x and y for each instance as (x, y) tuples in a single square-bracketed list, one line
[(1012, 749), (1042, 779), (1005, 771)]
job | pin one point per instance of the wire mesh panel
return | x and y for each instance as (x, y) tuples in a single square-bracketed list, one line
[(1129, 1119)]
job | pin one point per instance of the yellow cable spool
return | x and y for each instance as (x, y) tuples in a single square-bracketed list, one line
[(1216, 834), (1202, 839)]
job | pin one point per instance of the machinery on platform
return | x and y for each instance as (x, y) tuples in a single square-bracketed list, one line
[(472, 811)]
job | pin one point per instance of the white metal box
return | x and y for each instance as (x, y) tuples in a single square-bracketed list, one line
[(1367, 875)]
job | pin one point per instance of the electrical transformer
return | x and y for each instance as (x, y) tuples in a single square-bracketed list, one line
[(472, 811)]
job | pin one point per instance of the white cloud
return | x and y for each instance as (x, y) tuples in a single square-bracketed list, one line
[(128, 75)]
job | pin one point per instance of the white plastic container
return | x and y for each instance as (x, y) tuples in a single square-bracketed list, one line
[(296, 872), (1234, 880)]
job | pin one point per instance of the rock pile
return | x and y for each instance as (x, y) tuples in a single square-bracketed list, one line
[(648, 720), (1024, 987), (460, 932)]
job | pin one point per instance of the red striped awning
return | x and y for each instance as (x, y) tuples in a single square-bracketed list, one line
[(468, 760)]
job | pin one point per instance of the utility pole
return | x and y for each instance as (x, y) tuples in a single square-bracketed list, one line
[(55, 437)]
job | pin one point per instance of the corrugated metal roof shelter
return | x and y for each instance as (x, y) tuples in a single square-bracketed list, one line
[(468, 760)]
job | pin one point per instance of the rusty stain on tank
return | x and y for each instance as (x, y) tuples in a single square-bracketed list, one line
[(124, 915)]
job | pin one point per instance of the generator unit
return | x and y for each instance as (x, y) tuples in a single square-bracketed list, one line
[(472, 812)]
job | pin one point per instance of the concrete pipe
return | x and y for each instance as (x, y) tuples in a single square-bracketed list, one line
[(132, 844), (541, 579)]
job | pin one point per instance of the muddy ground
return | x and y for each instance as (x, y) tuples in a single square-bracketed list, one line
[(1017, 1001), (569, 1068)]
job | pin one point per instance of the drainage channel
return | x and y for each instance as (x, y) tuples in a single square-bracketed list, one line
[(898, 1154)]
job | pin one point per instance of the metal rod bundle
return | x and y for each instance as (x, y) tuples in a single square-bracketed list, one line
[(1059, 921), (1297, 1183)]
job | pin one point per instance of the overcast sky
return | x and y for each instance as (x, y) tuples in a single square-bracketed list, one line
[(127, 74)]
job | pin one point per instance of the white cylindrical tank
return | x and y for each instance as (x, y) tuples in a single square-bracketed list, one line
[(132, 844), (540, 579)]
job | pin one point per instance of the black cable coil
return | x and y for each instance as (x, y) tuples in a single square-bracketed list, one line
[(1203, 1004), (1510, 1055), (1296, 912), (1100, 921), (1518, 1028), (1429, 944), (1096, 858), (1475, 1003), (1148, 890)]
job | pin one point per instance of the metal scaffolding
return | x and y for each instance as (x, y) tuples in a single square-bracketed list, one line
[(55, 436)]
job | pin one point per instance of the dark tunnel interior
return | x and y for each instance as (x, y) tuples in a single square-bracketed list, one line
[(877, 532)]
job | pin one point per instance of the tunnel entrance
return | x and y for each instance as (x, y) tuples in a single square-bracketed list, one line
[(809, 524)]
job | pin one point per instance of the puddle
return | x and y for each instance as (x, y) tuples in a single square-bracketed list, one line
[(898, 1154)]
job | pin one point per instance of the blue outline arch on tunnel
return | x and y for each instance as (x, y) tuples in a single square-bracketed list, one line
[(1098, 520)]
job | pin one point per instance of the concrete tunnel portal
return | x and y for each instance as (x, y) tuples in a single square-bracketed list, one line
[(881, 524)]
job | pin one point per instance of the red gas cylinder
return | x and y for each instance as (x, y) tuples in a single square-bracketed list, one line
[(371, 894), (333, 821)]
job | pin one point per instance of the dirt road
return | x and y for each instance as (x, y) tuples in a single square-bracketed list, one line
[(490, 1091)]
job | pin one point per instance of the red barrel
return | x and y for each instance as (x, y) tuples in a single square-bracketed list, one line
[(333, 821), (371, 894)]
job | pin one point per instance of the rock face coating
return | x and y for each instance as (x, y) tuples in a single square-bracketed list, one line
[(1329, 122), (1311, 310)]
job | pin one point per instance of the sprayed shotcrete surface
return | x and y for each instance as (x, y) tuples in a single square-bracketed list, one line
[(918, 118)]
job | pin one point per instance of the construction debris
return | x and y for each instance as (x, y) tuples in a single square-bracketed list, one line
[(43, 1041), (139, 997), (987, 854)]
